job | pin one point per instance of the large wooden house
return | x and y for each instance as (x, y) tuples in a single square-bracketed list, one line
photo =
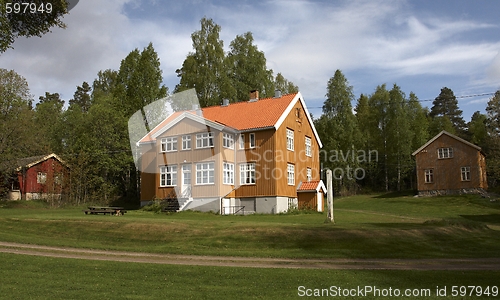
[(447, 164), (251, 156)]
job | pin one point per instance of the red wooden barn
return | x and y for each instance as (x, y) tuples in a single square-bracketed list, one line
[(40, 177)]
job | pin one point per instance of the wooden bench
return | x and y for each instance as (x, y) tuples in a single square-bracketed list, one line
[(105, 210)]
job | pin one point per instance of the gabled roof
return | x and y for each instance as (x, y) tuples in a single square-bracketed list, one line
[(242, 116), (311, 186), (28, 162), (448, 134)]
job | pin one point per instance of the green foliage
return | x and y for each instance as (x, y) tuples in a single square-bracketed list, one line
[(446, 105), (216, 75), (339, 132), (204, 68), (16, 129), (82, 97), (14, 25), (247, 68)]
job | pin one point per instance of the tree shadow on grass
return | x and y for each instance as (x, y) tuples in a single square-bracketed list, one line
[(491, 218), (409, 193)]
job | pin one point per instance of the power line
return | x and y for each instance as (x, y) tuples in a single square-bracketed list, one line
[(427, 100)]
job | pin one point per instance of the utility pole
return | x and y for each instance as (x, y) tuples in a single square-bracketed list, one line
[(329, 195)]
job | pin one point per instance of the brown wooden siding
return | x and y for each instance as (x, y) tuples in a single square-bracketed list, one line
[(297, 122), (307, 200), (263, 155), (447, 171), (148, 172)]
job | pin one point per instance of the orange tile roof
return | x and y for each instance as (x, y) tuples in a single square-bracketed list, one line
[(249, 115), (309, 185), (245, 115)]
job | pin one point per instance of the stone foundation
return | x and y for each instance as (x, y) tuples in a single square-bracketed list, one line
[(432, 193)]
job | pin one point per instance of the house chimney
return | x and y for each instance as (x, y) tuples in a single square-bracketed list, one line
[(225, 102), (277, 94), (197, 110), (254, 95)]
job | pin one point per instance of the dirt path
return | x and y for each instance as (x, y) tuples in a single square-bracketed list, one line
[(254, 262)]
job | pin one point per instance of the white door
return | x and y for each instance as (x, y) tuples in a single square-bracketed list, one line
[(226, 206), (186, 181)]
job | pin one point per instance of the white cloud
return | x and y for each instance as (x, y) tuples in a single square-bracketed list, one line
[(304, 40)]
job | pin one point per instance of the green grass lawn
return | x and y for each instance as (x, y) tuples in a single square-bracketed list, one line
[(376, 226), (366, 227), (27, 277)]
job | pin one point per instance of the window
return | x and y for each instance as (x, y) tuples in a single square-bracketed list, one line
[(204, 140), (291, 174), (445, 153), (168, 176), (252, 140), (227, 141), (429, 176), (228, 175), (205, 173), (58, 179), (308, 146), (465, 173), (247, 173), (309, 174), (41, 177), (241, 141), (289, 139), (186, 142), (169, 144)]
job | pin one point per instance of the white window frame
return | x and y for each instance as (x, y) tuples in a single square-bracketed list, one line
[(186, 142), (228, 173), (429, 175), (289, 140), (251, 140), (247, 174), (41, 177), (309, 174), (204, 140), (308, 146), (445, 153), (205, 173), (227, 140), (241, 141), (290, 174), (168, 175), (169, 144), (465, 173)]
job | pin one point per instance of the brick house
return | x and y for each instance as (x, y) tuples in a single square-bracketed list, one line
[(447, 164)]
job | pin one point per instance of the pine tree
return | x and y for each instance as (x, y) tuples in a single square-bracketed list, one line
[(339, 132), (82, 97), (446, 105)]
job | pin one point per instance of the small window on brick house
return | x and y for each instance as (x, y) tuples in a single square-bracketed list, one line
[(445, 153), (429, 176), (465, 173)]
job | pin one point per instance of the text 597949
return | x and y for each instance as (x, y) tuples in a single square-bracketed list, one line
[(28, 8)]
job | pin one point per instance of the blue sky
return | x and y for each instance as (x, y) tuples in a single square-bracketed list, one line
[(421, 46)]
